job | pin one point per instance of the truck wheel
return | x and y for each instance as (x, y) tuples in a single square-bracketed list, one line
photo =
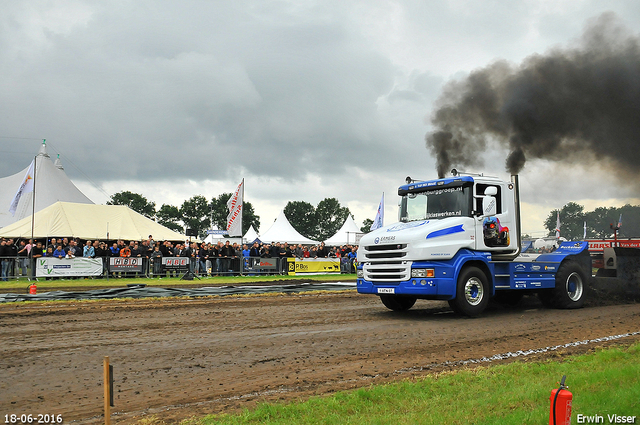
[(397, 303), (570, 286), (472, 292)]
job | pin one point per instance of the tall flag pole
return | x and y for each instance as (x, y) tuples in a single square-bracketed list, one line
[(558, 226), (234, 218), (379, 220), (33, 200)]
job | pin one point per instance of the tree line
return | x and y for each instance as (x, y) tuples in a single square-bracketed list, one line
[(317, 223), (599, 221), (196, 213)]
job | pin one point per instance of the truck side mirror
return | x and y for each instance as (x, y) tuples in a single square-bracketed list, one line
[(488, 206), (489, 202)]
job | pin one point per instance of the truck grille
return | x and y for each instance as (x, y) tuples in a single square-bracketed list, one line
[(383, 263)]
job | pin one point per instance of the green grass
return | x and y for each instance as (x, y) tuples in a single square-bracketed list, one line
[(604, 382), (22, 283)]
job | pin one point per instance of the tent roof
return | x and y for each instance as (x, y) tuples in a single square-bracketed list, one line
[(346, 235), (251, 235), (51, 185), (282, 231), (90, 221)]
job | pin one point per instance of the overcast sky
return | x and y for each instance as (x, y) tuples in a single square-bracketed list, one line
[(304, 100)]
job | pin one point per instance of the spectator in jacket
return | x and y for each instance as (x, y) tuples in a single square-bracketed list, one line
[(88, 251), (59, 252)]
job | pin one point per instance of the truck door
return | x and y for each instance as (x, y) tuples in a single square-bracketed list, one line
[(494, 232)]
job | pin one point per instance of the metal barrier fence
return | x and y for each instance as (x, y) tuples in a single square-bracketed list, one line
[(24, 267)]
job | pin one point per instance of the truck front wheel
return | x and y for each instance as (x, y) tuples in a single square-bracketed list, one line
[(472, 292), (397, 303), (570, 286)]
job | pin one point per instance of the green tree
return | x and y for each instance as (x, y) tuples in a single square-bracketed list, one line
[(134, 201), (319, 223), (630, 221), (195, 215), (249, 218), (572, 221), (330, 216), (366, 225), (170, 217), (302, 216), (598, 222)]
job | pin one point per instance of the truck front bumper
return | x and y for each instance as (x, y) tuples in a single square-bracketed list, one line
[(426, 288)]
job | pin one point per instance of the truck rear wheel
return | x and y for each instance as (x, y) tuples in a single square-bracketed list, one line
[(570, 286), (397, 303), (472, 292)]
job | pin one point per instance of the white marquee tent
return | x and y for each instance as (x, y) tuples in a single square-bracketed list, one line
[(51, 185), (348, 234), (282, 231), (90, 221)]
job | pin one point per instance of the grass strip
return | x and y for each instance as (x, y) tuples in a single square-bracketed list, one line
[(604, 382)]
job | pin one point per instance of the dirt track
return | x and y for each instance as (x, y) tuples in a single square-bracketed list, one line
[(177, 358)]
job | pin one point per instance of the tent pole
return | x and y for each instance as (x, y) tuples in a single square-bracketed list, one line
[(33, 215)]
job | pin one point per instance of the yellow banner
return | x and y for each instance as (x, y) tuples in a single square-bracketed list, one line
[(313, 265)]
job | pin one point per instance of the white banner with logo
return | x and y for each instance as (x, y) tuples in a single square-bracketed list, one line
[(234, 218), (64, 267)]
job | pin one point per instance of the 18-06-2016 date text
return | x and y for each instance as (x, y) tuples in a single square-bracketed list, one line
[(39, 418)]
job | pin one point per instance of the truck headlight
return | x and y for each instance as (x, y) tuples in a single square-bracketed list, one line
[(422, 273), (360, 273)]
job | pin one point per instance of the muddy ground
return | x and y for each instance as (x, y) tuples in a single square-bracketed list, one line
[(177, 358)]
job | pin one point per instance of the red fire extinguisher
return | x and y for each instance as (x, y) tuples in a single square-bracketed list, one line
[(560, 405), (33, 289)]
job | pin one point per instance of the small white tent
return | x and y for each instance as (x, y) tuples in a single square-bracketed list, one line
[(282, 231), (90, 221), (251, 235), (51, 185), (348, 234)]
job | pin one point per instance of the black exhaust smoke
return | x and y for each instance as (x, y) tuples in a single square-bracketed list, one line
[(574, 104)]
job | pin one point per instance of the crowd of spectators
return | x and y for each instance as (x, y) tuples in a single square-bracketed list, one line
[(205, 258)]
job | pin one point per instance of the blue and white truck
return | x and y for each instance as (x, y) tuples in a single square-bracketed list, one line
[(458, 239)]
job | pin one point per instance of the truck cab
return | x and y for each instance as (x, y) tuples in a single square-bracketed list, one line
[(450, 230), (464, 211)]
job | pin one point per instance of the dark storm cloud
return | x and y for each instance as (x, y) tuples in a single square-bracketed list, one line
[(570, 104), (200, 90)]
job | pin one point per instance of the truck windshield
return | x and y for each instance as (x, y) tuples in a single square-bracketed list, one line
[(435, 204)]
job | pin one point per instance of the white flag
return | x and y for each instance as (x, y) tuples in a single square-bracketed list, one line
[(234, 219), (379, 220), (584, 235), (558, 226), (25, 187)]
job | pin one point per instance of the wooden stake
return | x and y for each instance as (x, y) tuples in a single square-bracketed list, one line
[(107, 392)]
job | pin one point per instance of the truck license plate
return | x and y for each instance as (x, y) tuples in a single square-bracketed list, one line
[(386, 290)]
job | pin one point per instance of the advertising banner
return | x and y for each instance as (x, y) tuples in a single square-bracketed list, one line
[(121, 264), (64, 267), (175, 262), (265, 264), (600, 244), (314, 265)]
